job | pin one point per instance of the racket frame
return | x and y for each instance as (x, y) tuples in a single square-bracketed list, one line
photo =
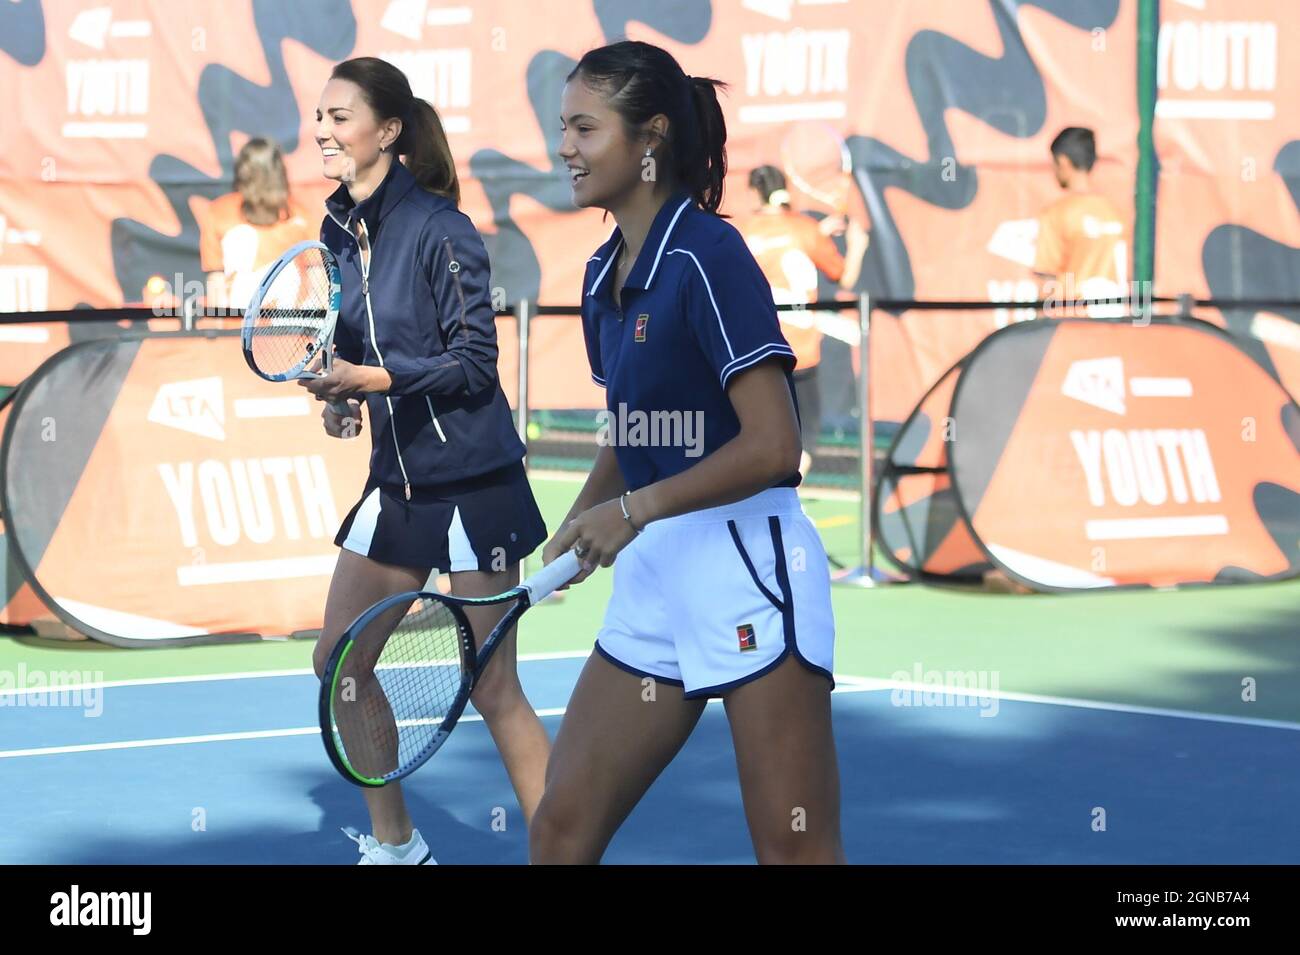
[(838, 204), (527, 594), (323, 346)]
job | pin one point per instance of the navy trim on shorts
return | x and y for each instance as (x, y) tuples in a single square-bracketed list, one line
[(749, 565), (634, 671), (748, 678), (786, 607)]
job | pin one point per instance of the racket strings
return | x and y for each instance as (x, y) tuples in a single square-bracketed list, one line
[(292, 314), (402, 694)]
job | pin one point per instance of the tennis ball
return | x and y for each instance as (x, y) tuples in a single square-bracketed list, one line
[(534, 430)]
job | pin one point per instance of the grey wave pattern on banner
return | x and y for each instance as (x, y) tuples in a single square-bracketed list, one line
[(1241, 263), (22, 31), (515, 266), (944, 73), (229, 102)]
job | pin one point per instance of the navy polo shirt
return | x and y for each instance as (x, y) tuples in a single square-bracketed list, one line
[(696, 312)]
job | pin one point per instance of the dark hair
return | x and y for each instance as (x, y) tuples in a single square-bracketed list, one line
[(767, 180), (1077, 144), (422, 144), (640, 81), (262, 182)]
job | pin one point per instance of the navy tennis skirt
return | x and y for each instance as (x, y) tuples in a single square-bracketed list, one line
[(487, 522)]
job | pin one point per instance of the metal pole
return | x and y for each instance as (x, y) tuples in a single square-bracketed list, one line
[(866, 431), (523, 314)]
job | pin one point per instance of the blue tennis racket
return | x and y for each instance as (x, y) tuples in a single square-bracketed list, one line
[(400, 677), (288, 328)]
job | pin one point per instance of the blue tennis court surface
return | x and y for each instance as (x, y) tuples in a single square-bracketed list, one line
[(232, 770)]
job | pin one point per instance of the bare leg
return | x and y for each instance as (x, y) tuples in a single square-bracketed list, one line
[(518, 733), (614, 742), (789, 777), (358, 583)]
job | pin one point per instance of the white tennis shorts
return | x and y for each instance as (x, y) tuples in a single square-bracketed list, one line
[(713, 599)]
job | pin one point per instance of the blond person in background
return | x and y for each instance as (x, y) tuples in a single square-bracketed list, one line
[(245, 231)]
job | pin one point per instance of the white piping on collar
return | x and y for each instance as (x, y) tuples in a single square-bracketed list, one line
[(659, 253), (667, 232)]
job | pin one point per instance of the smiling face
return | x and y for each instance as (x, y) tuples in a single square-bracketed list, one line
[(348, 132), (604, 163)]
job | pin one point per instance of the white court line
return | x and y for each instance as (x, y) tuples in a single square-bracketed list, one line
[(248, 675), (844, 684), (210, 738), (256, 734), (872, 683)]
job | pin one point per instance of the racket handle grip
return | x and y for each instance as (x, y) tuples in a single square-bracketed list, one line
[(341, 408), (555, 574)]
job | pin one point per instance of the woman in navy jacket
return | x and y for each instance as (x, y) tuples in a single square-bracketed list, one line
[(416, 339)]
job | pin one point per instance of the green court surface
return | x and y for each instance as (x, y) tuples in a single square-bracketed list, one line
[(1194, 650)]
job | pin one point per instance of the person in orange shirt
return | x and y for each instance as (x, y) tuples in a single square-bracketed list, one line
[(791, 248), (1081, 238), (245, 231)]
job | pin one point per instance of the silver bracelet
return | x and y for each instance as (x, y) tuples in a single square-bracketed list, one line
[(622, 503)]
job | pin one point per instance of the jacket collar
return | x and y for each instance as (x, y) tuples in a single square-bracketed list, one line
[(376, 206)]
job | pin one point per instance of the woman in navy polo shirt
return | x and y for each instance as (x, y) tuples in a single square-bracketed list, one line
[(416, 340), (721, 587)]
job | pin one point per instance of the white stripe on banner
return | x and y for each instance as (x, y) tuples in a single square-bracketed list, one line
[(1160, 387), (449, 16), (1148, 528), (1214, 109), (105, 130), (235, 572), (24, 334), (115, 621), (291, 407), (131, 28), (786, 112), (1049, 572)]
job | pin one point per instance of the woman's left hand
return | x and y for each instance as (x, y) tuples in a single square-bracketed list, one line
[(596, 535), (347, 380)]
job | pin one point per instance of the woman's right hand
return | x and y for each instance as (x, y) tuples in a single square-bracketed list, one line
[(339, 426)]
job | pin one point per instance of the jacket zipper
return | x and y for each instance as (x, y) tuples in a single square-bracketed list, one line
[(363, 258)]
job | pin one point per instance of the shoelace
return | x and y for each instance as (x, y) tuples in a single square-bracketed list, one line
[(368, 846)]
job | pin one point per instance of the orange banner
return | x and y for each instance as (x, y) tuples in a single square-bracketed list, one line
[(156, 491), (1101, 454), (132, 115)]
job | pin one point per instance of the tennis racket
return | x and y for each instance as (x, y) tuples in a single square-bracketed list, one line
[(288, 329), (401, 676), (817, 162)]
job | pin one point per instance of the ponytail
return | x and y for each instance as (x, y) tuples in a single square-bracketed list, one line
[(426, 153), (705, 172)]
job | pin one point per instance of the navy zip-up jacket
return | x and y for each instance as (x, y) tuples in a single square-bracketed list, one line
[(422, 310)]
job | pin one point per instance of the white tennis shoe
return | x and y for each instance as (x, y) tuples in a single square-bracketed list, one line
[(373, 852)]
